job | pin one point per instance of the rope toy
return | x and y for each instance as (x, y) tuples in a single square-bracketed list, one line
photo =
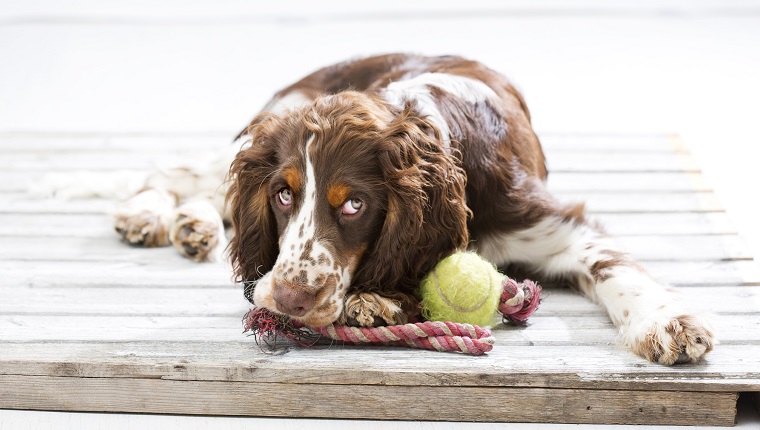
[(518, 301)]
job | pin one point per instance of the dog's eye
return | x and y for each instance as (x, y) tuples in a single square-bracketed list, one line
[(285, 196), (351, 206)]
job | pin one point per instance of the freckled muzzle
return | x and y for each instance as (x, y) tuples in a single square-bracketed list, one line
[(312, 296)]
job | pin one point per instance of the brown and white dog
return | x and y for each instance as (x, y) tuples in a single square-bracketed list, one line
[(354, 182)]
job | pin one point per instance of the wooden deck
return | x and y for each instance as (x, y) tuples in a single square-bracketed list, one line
[(89, 324)]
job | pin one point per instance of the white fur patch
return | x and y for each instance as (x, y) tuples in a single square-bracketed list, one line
[(417, 91), (553, 244), (319, 262), (290, 101), (302, 228)]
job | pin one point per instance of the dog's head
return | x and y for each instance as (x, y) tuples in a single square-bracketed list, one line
[(346, 192)]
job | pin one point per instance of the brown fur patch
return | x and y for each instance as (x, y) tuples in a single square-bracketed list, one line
[(575, 213), (293, 178), (337, 194), (601, 269)]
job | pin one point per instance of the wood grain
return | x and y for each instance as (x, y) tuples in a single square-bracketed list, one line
[(722, 247), (729, 368), (154, 298), (368, 402)]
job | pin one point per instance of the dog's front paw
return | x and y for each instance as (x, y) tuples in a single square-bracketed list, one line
[(143, 228), (198, 232), (372, 310), (145, 218), (681, 339)]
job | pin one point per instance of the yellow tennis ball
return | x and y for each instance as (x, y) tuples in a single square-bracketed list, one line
[(462, 287)]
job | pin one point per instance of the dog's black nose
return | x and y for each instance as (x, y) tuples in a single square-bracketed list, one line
[(292, 300)]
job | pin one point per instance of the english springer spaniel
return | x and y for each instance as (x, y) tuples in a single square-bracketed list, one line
[(355, 181)]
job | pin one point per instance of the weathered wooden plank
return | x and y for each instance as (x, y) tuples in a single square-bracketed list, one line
[(185, 274), (647, 202), (666, 224), (733, 300), (57, 225), (22, 203), (228, 301), (682, 248), (727, 368), (361, 401), (23, 181), (170, 272), (595, 161), (645, 248), (659, 143), (112, 301), (705, 273), (625, 182), (16, 182), (543, 330), (83, 249)]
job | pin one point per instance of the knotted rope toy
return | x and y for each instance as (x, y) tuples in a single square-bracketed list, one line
[(516, 302)]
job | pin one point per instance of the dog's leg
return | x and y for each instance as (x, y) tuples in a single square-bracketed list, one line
[(652, 321), (145, 218), (196, 227)]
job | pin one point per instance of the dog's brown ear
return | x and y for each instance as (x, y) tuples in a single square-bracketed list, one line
[(426, 218), (254, 246)]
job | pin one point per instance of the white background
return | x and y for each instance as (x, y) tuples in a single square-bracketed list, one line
[(191, 67)]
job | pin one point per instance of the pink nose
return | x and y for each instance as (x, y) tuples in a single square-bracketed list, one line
[(293, 301)]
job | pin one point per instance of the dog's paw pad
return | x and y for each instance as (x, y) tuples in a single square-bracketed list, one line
[(196, 239)]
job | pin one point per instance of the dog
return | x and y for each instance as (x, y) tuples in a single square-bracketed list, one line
[(352, 183)]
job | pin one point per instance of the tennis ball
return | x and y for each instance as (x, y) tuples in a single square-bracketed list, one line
[(462, 287)]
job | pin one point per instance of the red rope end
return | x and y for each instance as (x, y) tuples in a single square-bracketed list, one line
[(266, 327), (519, 300)]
